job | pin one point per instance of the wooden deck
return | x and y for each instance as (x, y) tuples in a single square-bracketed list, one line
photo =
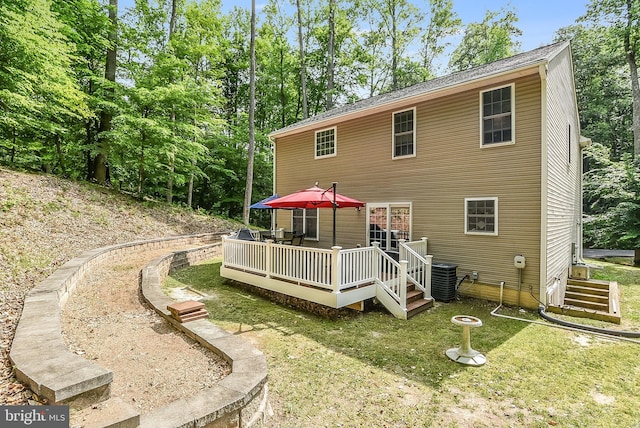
[(336, 277)]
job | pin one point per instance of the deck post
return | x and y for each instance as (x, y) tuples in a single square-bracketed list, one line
[(403, 284), (376, 260), (336, 268), (402, 253), (427, 281), (224, 237), (424, 248), (267, 259)]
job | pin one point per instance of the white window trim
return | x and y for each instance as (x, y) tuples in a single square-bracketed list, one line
[(304, 224), (466, 217), (393, 134), (335, 143), (513, 118)]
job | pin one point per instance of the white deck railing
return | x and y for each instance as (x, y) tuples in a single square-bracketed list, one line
[(336, 269)]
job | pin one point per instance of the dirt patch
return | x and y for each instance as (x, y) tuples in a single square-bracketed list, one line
[(153, 363)]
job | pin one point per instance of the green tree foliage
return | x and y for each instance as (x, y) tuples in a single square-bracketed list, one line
[(612, 193), (490, 40), (38, 94), (179, 108), (622, 19), (602, 88)]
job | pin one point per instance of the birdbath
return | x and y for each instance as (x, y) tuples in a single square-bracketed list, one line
[(464, 354)]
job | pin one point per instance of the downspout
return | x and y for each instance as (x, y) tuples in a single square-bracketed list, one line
[(584, 143), (544, 179), (274, 223)]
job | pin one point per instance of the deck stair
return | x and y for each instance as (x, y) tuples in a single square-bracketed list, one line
[(591, 299), (416, 303)]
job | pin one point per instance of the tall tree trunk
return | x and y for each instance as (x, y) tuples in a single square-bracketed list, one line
[(172, 158), (141, 166), (100, 173), (331, 54), (303, 66), (394, 47), (173, 18), (14, 145), (635, 84), (190, 191), (252, 108), (56, 139), (283, 97)]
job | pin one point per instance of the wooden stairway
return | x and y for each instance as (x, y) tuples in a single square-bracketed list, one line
[(591, 299), (416, 302)]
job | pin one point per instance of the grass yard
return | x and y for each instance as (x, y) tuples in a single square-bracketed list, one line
[(373, 370)]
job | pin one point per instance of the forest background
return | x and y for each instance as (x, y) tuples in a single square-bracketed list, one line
[(154, 99)]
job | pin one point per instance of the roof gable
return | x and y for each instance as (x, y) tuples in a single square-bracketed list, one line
[(529, 59)]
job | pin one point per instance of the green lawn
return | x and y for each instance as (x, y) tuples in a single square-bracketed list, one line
[(373, 370)]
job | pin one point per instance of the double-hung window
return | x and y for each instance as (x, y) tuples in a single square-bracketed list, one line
[(325, 143), (481, 216), (497, 116), (404, 133), (305, 221)]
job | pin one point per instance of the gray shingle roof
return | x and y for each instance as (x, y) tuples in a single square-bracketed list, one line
[(526, 59)]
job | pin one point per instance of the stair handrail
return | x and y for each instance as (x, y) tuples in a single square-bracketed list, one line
[(394, 280), (418, 267)]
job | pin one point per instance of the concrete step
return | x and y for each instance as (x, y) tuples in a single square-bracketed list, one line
[(112, 413)]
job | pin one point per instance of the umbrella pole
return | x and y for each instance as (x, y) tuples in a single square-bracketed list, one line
[(334, 184)]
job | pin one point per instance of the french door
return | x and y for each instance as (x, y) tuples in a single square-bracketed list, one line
[(388, 223)]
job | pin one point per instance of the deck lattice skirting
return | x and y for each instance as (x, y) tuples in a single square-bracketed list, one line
[(52, 371)]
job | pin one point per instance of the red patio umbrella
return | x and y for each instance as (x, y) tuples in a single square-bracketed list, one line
[(317, 197)]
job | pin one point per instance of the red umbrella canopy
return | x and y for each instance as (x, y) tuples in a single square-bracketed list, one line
[(315, 197)]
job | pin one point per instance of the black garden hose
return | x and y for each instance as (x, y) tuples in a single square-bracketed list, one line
[(620, 333)]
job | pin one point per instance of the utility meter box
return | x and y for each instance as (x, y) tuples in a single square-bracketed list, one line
[(580, 271), (519, 261)]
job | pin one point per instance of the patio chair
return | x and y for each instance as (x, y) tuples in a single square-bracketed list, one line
[(265, 234), (288, 238), (298, 240)]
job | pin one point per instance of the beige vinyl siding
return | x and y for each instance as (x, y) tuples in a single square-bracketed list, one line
[(449, 166), (563, 185)]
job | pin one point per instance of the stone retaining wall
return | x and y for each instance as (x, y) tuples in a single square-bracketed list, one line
[(43, 361), (238, 400)]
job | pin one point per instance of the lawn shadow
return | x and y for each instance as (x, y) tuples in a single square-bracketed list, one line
[(412, 348)]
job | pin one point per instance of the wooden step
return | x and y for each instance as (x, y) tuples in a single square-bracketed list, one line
[(188, 310), (413, 295), (587, 290), (592, 283), (586, 304), (421, 305), (587, 297)]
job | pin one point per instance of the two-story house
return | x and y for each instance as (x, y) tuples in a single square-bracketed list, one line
[(486, 163)]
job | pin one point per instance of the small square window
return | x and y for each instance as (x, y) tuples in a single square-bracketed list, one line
[(325, 143), (481, 216)]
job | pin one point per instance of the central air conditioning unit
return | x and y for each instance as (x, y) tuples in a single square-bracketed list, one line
[(443, 281)]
